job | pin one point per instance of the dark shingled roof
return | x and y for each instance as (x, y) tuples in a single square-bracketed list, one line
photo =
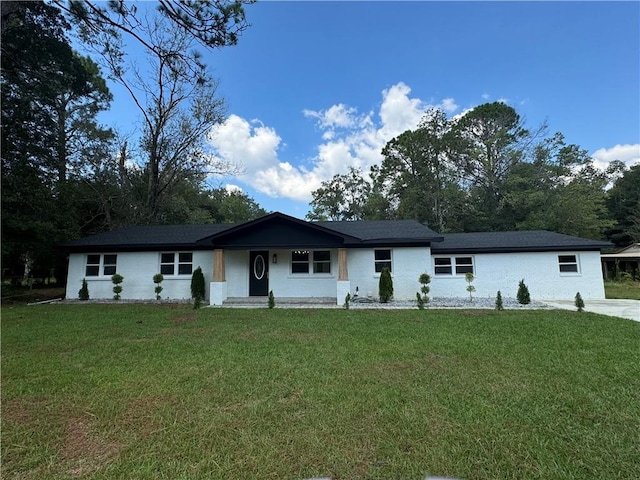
[(523, 241), (379, 231), (148, 237), (355, 234)]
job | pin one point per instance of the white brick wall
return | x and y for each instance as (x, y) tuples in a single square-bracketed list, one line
[(540, 272), (493, 272), (138, 269), (407, 266)]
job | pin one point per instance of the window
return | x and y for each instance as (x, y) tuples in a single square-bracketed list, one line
[(382, 259), (181, 262), (101, 263), (568, 263), (464, 265), (320, 261), (442, 266), (300, 261), (449, 265)]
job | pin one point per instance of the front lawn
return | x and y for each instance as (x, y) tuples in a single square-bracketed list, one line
[(148, 392)]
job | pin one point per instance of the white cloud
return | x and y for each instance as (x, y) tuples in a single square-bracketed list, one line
[(245, 143), (349, 138), (449, 105), (628, 154), (231, 188)]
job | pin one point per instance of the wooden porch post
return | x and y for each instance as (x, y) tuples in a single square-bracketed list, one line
[(343, 271), (218, 265)]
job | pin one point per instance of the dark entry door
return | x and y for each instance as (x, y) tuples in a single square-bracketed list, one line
[(259, 274)]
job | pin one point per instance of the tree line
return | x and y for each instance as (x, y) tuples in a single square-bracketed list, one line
[(66, 175), (485, 170)]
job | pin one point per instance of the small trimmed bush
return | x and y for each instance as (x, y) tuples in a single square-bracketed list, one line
[(83, 293), (499, 305), (579, 302), (419, 301), (117, 280), (470, 288), (385, 286), (271, 300), (157, 279), (425, 280), (523, 293), (197, 287), (347, 299)]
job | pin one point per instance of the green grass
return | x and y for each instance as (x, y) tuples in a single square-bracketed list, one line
[(627, 289), (166, 392)]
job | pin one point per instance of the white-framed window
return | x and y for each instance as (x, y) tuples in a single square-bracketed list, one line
[(176, 263), (568, 264), (311, 261), (453, 265), (321, 261), (382, 258), (101, 265)]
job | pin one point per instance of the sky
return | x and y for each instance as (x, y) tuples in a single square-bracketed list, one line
[(313, 88)]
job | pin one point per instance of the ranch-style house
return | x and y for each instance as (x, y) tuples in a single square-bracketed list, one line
[(299, 259)]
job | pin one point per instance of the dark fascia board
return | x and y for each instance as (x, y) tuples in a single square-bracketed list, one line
[(210, 240), (133, 248), (551, 248)]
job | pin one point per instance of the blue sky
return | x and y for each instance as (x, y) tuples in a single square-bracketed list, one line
[(315, 87)]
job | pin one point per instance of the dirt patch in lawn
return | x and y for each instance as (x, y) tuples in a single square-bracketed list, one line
[(85, 451), (16, 411)]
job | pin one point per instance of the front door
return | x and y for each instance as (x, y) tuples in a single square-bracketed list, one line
[(259, 274)]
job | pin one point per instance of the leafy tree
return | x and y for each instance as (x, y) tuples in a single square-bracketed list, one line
[(489, 141), (344, 197), (50, 99), (417, 175), (385, 286), (175, 95), (623, 202), (559, 190)]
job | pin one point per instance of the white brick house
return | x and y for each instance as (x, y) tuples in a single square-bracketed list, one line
[(295, 258)]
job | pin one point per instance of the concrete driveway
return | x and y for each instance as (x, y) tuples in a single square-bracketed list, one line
[(629, 309)]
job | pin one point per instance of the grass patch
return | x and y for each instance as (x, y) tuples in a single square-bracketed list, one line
[(144, 391), (628, 289)]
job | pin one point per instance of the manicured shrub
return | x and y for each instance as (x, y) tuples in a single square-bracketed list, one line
[(523, 293), (272, 300), (83, 293), (470, 288), (579, 303), (385, 286), (117, 280), (157, 279), (425, 280), (197, 287), (347, 299), (419, 301), (499, 305)]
